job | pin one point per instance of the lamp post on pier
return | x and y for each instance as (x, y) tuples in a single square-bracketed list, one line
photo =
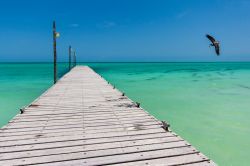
[(74, 58), (55, 35), (70, 51)]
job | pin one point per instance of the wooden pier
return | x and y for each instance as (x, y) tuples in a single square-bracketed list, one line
[(83, 120)]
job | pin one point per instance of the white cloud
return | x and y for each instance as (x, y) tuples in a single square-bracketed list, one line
[(107, 24), (74, 25), (181, 14)]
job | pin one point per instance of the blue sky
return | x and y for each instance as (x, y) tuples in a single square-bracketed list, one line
[(125, 30)]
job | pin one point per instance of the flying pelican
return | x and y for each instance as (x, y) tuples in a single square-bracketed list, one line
[(215, 43)]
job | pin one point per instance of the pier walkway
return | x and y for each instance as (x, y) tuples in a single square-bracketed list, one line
[(83, 120)]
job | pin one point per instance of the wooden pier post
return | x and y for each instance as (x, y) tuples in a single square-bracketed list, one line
[(69, 57), (54, 48), (74, 58)]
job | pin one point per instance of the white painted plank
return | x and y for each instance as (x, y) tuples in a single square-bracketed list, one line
[(162, 142), (108, 156)]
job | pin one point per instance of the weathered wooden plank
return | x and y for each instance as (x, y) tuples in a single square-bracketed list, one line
[(14, 125), (82, 128), (4, 147), (103, 111), (75, 117), (85, 121), (168, 161), (69, 122), (86, 130), (124, 158), (54, 134), (87, 117), (96, 113), (5, 132), (79, 124), (109, 156), (168, 142), (201, 163)]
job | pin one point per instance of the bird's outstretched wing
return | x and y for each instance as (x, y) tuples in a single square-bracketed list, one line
[(210, 38), (217, 49)]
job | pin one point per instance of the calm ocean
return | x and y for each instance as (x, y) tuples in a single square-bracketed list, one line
[(206, 103)]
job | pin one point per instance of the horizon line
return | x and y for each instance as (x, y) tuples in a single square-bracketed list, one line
[(133, 62)]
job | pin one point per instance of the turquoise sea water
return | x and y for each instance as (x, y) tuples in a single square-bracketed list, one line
[(206, 103), (21, 83)]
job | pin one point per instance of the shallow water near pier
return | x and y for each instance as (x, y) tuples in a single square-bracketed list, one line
[(21, 83), (206, 103)]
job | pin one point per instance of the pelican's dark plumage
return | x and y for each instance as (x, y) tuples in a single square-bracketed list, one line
[(215, 43)]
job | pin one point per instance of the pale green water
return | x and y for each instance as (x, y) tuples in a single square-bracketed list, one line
[(206, 103), (21, 83)]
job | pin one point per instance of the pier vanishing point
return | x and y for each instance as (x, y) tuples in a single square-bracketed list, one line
[(84, 120)]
